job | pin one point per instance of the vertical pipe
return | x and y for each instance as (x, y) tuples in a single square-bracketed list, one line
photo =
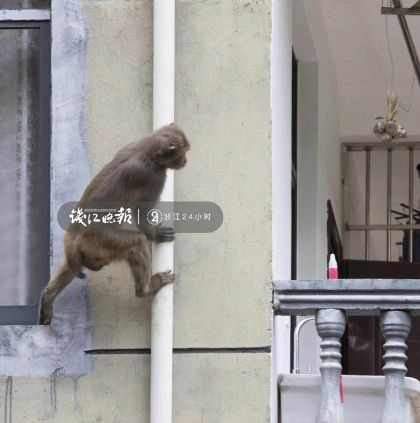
[(388, 204), (344, 200), (163, 254), (281, 110), (410, 200), (367, 203)]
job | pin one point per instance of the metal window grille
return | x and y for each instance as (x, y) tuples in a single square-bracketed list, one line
[(405, 220)]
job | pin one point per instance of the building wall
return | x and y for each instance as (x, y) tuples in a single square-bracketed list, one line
[(222, 296), (358, 45), (350, 41), (359, 41), (319, 167)]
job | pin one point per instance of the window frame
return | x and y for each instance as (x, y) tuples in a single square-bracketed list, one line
[(28, 314)]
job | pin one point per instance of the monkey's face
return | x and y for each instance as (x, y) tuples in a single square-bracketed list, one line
[(173, 148)]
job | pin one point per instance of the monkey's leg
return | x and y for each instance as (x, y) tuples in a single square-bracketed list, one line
[(121, 239), (140, 262), (61, 279)]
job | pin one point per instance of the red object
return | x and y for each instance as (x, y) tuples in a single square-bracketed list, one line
[(332, 267), (333, 273)]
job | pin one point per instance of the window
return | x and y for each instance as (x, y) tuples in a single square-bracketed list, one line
[(24, 166)]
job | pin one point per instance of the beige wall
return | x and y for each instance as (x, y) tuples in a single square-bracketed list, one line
[(222, 297), (209, 388)]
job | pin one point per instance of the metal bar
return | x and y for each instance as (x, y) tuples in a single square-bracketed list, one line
[(416, 212), (399, 214), (410, 200), (25, 15), (44, 128), (367, 202), (379, 227), (409, 41), (345, 213), (340, 297), (21, 24), (400, 11), (362, 146), (388, 204)]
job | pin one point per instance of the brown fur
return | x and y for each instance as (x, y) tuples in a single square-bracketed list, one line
[(136, 175)]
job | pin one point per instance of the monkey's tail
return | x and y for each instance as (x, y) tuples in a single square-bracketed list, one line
[(58, 282)]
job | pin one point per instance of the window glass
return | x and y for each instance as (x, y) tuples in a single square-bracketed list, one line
[(24, 157)]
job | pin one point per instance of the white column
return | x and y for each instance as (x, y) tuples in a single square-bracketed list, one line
[(281, 105), (395, 327), (163, 254)]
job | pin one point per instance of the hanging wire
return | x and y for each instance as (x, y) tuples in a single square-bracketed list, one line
[(407, 108), (391, 83)]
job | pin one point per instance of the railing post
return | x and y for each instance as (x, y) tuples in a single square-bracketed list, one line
[(330, 324), (395, 327)]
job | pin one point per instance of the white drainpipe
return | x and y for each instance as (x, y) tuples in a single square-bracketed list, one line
[(163, 254), (281, 109)]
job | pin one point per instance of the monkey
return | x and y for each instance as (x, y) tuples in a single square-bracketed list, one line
[(136, 175)]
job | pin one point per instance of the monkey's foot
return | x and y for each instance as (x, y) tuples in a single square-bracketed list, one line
[(45, 316), (161, 279), (165, 234), (157, 281), (45, 312)]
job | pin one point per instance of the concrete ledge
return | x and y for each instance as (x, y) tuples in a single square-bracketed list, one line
[(39, 351), (367, 297), (25, 15)]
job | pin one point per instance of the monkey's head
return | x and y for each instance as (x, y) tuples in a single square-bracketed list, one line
[(172, 146)]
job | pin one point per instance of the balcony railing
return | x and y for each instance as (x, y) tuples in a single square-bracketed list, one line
[(331, 302)]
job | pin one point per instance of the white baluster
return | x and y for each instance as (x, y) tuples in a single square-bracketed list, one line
[(330, 325), (395, 327)]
